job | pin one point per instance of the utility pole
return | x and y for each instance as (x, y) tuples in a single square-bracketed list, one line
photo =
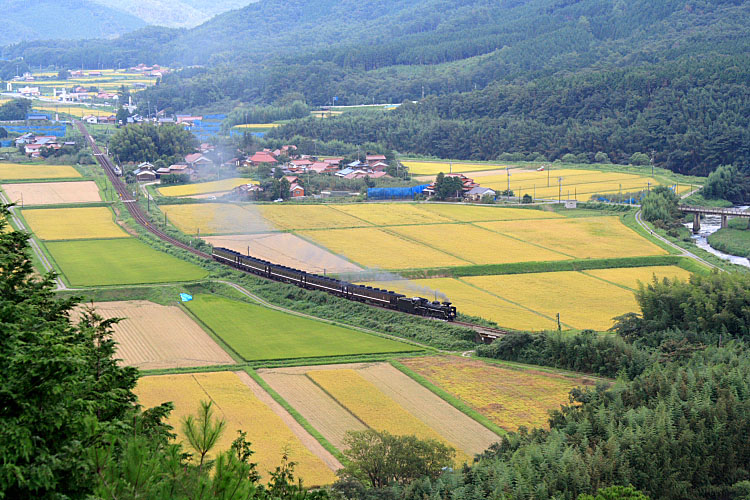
[(559, 189), (548, 169)]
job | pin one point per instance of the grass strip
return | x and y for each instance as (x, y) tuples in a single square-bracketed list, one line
[(457, 403), (540, 267), (297, 416)]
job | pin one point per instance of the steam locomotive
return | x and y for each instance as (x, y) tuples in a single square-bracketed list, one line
[(384, 298)]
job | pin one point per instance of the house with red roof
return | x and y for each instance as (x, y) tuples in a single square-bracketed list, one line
[(197, 160), (263, 157)]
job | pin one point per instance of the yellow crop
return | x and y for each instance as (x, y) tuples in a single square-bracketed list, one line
[(73, 110), (17, 171), (73, 223), (435, 167), (476, 245), (308, 217), (582, 301), (630, 277), (236, 403), (509, 396), (372, 407), (205, 187), (472, 301), (389, 214), (215, 218), (373, 247), (256, 126), (586, 237), (477, 213)]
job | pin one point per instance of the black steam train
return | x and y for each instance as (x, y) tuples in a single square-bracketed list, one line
[(385, 298)]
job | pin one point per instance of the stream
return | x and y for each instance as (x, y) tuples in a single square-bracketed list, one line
[(710, 224)]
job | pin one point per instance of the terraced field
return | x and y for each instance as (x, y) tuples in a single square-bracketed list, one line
[(205, 187), (256, 332), (244, 406), (510, 395), (630, 277), (52, 193), (73, 223)]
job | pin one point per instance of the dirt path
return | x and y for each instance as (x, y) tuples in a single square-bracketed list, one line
[(310, 442)]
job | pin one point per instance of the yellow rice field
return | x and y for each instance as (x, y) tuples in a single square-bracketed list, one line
[(630, 277), (76, 111), (478, 213), (256, 126), (373, 247), (19, 171), (73, 223), (435, 167), (471, 301), (389, 214), (215, 218), (371, 406), (508, 395), (582, 301), (308, 217), (476, 245), (235, 402), (582, 238), (205, 187)]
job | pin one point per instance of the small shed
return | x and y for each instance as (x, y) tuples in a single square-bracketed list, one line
[(145, 176), (479, 192)]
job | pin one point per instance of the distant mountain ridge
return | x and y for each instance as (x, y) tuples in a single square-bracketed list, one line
[(24, 20), (174, 13)]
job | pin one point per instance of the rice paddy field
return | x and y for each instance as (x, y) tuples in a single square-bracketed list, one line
[(216, 218), (255, 332), (205, 187), (118, 261), (77, 111), (339, 398), (52, 193), (36, 171), (73, 223), (509, 395), (152, 336), (256, 126), (435, 167), (244, 406)]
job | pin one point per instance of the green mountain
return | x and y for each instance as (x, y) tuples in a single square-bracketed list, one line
[(174, 13), (25, 20)]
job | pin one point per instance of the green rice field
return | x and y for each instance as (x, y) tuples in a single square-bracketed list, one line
[(256, 332), (124, 261)]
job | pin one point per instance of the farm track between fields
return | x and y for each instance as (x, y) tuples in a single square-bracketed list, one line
[(132, 207)]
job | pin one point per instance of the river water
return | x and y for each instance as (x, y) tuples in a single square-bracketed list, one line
[(710, 224)]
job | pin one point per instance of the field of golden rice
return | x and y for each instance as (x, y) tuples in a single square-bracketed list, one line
[(73, 223), (20, 171), (205, 187)]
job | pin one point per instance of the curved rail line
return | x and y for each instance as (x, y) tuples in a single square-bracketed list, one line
[(484, 334)]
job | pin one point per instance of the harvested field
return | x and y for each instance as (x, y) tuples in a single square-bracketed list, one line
[(215, 218), (73, 223), (393, 390), (581, 300), (52, 193), (244, 405), (477, 245), (18, 171), (286, 249), (630, 277), (308, 217), (582, 238), (120, 261), (205, 187), (152, 336), (508, 395), (472, 301), (256, 332), (373, 247)]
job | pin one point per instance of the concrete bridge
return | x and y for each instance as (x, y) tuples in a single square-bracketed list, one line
[(725, 214)]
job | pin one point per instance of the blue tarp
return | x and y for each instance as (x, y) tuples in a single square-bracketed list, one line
[(186, 297), (394, 193), (57, 131)]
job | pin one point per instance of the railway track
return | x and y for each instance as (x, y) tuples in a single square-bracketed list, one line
[(484, 334)]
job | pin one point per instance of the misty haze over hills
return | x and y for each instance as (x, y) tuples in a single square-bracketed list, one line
[(174, 13)]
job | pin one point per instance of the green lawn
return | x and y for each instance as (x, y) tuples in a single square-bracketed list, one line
[(123, 261), (256, 332)]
